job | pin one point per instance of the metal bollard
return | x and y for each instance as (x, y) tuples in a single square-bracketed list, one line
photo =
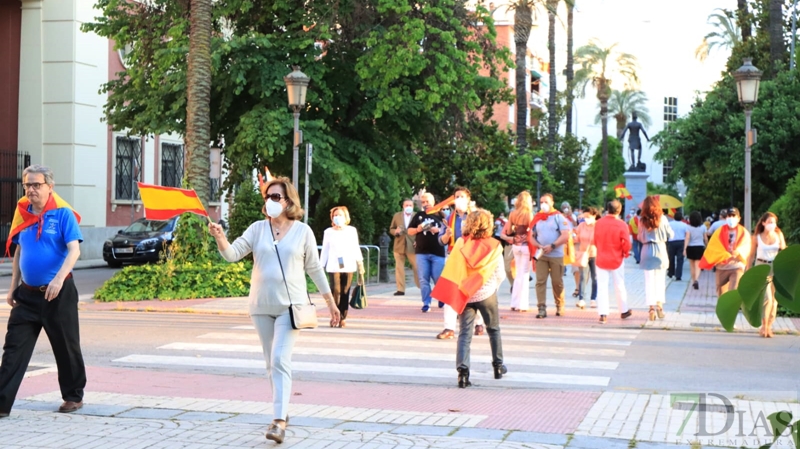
[(383, 262)]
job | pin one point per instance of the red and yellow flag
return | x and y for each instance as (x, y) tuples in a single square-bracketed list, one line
[(163, 203), (22, 218), (441, 205), (622, 192), (469, 265), (718, 250)]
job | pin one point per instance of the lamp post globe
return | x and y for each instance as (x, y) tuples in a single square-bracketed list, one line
[(748, 78), (296, 88), (537, 168), (581, 180)]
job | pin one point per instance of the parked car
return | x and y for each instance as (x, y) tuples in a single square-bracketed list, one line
[(143, 241)]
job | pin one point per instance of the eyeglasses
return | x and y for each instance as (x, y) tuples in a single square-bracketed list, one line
[(274, 197), (33, 185)]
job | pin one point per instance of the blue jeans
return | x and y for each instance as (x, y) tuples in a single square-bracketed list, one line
[(588, 272), (429, 268), (637, 249)]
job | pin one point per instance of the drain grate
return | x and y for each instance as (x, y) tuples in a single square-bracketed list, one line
[(703, 407)]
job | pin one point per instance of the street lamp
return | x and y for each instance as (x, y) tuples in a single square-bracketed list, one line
[(747, 79), (603, 195), (581, 180), (537, 168), (296, 86)]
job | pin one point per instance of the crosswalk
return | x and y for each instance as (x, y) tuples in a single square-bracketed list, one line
[(407, 352)]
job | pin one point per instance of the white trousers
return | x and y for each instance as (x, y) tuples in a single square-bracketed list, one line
[(451, 318), (655, 286), (618, 277), (277, 341), (520, 294)]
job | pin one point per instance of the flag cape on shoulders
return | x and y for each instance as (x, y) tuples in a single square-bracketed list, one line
[(469, 265), (164, 203), (23, 219), (540, 216), (717, 251)]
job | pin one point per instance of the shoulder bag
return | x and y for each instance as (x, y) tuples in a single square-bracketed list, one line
[(303, 316)]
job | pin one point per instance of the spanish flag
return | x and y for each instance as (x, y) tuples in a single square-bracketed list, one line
[(470, 263), (22, 218), (622, 192), (163, 203), (441, 205), (718, 250)]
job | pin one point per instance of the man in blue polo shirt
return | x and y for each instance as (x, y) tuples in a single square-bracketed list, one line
[(42, 292)]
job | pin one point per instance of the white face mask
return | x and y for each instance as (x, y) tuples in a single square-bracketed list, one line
[(770, 227), (589, 220), (461, 204), (274, 209), (732, 222), (409, 210), (545, 207), (566, 210), (338, 221)]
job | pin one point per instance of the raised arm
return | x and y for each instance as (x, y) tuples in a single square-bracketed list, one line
[(240, 247)]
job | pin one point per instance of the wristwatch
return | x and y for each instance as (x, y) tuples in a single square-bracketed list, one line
[(553, 246)]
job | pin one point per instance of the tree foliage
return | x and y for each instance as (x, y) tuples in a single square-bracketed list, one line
[(393, 83), (594, 194)]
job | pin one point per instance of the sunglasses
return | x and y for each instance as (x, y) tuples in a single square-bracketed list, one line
[(274, 197)]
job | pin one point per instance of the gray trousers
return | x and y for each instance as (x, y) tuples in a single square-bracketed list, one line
[(491, 316), (277, 341)]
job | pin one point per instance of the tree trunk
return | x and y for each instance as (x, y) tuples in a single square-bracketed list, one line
[(743, 19), (522, 31), (777, 48), (570, 68), (604, 120), (552, 124), (198, 100), (621, 119)]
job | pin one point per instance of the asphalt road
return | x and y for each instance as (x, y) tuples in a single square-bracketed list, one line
[(86, 281)]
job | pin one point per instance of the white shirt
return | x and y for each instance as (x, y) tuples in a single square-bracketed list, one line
[(679, 229), (342, 243), (407, 218)]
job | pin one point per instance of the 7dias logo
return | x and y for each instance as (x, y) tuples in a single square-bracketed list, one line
[(709, 409)]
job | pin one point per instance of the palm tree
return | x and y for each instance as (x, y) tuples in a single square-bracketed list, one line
[(198, 99), (743, 19), (570, 72), (599, 66), (621, 104), (552, 123), (777, 47), (725, 34)]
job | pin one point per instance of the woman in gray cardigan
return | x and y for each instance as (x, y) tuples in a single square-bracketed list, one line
[(654, 232), (269, 303)]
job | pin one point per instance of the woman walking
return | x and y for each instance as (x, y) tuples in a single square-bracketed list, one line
[(284, 251), (481, 256), (585, 257), (768, 243), (341, 256), (516, 232), (654, 233), (694, 245)]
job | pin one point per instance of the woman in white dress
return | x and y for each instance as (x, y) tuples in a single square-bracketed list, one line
[(768, 243), (341, 256)]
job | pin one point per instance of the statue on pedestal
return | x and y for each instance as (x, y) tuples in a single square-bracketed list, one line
[(634, 143)]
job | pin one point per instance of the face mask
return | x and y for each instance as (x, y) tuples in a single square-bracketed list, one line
[(770, 227), (446, 213), (566, 211), (589, 221), (461, 204), (408, 210), (274, 209), (545, 207), (732, 222), (338, 220)]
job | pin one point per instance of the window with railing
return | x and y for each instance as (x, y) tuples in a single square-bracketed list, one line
[(670, 115), (213, 191), (171, 164), (128, 167)]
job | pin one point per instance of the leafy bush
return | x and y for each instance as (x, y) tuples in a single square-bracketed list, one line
[(169, 281), (245, 210), (787, 208)]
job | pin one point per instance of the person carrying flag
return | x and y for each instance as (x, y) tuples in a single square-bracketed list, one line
[(550, 231), (42, 292), (728, 251)]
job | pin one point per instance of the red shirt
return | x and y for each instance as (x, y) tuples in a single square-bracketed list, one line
[(613, 241)]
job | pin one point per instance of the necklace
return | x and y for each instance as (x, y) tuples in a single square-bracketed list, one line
[(282, 228)]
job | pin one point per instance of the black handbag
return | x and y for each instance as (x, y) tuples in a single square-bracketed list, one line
[(303, 316), (358, 298)]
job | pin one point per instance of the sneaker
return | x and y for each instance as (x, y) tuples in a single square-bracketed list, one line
[(559, 311), (446, 334), (593, 304), (399, 293), (626, 314), (542, 313), (441, 304), (425, 309), (603, 319), (581, 304)]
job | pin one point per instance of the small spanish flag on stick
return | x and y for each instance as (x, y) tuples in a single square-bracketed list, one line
[(622, 192), (163, 203), (441, 205)]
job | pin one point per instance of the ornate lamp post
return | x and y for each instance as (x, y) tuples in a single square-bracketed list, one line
[(747, 79), (537, 168), (296, 86), (581, 180)]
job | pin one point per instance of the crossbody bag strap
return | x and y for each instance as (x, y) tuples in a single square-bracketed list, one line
[(275, 245)]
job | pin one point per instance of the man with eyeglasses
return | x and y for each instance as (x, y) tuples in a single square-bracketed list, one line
[(42, 292)]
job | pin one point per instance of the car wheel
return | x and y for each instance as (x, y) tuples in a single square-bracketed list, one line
[(113, 264)]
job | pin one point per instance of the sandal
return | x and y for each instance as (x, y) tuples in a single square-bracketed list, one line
[(660, 312), (575, 293), (652, 313)]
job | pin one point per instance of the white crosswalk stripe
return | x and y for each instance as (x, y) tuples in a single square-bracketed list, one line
[(406, 351)]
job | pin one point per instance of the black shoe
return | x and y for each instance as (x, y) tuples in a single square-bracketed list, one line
[(627, 314), (696, 285), (4, 414), (542, 313), (559, 311), (463, 378), (499, 371), (441, 304), (399, 293)]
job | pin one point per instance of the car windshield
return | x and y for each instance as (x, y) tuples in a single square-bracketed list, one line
[(149, 226)]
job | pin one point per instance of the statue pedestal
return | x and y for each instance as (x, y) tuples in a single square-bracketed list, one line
[(636, 183)]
